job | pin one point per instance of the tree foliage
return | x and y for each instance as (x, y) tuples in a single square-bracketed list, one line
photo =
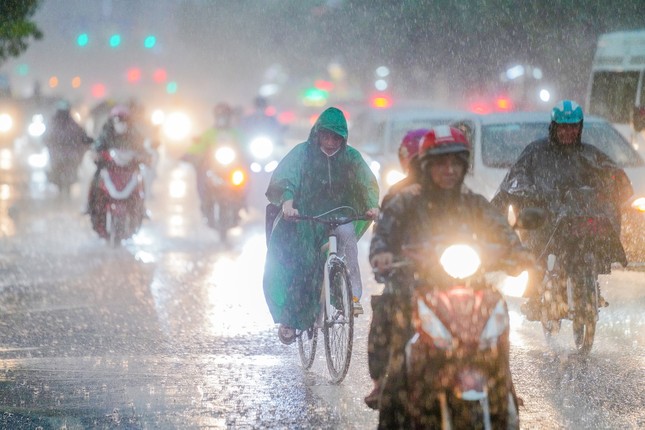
[(16, 27)]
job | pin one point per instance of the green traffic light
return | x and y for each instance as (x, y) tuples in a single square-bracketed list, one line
[(82, 39), (115, 40), (150, 42), (171, 87)]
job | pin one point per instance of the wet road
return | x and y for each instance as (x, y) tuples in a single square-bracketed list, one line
[(172, 331)]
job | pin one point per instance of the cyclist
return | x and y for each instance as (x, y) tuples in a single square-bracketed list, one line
[(443, 205), (314, 177), (558, 162)]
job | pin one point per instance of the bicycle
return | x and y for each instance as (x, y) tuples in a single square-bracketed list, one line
[(336, 317)]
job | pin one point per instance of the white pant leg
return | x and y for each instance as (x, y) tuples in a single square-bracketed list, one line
[(348, 246)]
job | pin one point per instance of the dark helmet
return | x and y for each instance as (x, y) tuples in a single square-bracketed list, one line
[(567, 112), (409, 148), (222, 110), (260, 103), (444, 139)]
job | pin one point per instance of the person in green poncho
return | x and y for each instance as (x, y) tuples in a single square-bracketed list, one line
[(316, 176)]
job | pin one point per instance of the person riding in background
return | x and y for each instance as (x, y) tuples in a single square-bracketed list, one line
[(118, 132), (259, 122), (548, 167), (443, 205), (66, 142), (315, 177), (379, 335), (222, 133)]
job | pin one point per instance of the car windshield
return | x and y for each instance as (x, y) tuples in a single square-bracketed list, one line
[(502, 144)]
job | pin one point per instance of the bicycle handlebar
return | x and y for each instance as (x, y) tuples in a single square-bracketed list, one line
[(333, 221)]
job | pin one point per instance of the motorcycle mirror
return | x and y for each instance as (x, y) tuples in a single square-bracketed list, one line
[(530, 219)]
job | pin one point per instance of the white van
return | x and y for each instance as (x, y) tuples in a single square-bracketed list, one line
[(616, 88)]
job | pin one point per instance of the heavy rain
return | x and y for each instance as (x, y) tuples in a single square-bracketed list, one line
[(141, 142)]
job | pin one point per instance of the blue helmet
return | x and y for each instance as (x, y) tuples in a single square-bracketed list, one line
[(567, 112)]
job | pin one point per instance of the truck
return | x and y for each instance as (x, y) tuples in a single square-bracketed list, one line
[(616, 87)]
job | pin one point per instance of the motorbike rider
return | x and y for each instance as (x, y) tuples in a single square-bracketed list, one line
[(444, 204), (552, 165), (222, 133), (316, 176), (259, 122), (118, 132), (378, 336), (67, 143)]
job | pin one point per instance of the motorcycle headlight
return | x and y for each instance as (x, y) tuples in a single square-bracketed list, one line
[(460, 261), (6, 123), (177, 126), (514, 286), (238, 177), (225, 155), (639, 204), (261, 147), (495, 326), (433, 327), (393, 176), (37, 126)]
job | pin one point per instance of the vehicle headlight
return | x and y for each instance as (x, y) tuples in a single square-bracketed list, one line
[(225, 155), (460, 261), (6, 123), (433, 327), (514, 286), (37, 126), (639, 204), (238, 177), (495, 326), (393, 176), (261, 147), (177, 126), (375, 167)]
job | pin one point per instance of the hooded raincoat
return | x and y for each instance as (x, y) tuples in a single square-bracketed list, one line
[(317, 183)]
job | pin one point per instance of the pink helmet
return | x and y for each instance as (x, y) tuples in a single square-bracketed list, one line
[(120, 111), (409, 148)]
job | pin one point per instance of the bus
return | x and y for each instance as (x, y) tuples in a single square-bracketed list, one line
[(616, 88)]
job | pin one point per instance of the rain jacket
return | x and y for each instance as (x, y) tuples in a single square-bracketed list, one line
[(407, 219), (546, 166), (317, 183)]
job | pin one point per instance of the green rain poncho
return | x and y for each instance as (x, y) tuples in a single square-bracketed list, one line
[(316, 182)]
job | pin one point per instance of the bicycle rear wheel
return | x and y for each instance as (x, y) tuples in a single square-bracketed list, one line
[(307, 340), (339, 324)]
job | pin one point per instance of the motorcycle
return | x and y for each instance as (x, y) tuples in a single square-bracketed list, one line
[(579, 248), (118, 209), (225, 191), (457, 369)]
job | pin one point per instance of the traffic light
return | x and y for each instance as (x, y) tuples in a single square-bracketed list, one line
[(82, 39), (171, 87), (115, 40), (150, 42), (134, 75), (159, 76)]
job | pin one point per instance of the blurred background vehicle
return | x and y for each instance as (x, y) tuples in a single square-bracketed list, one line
[(377, 133), (617, 83)]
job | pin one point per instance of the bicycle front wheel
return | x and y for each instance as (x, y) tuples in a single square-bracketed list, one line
[(339, 324)]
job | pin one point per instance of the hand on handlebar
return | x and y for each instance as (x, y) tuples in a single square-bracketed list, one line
[(382, 262), (288, 211), (372, 213)]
